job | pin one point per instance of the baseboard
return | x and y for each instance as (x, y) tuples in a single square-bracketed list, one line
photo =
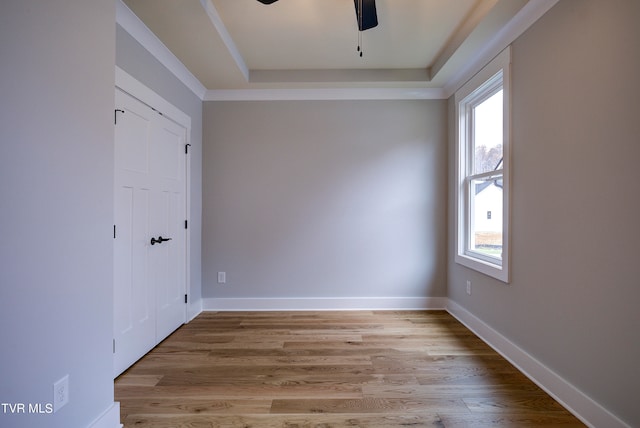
[(194, 309), (110, 418), (323, 304), (574, 400)]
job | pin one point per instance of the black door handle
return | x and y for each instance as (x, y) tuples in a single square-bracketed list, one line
[(160, 240)]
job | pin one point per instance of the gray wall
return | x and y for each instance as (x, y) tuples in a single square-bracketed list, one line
[(139, 63), (56, 181), (325, 199), (573, 300)]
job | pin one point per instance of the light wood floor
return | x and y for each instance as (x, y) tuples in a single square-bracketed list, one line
[(376, 369)]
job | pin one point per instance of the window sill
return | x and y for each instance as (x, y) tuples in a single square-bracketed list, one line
[(490, 269)]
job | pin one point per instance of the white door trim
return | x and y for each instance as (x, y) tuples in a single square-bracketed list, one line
[(127, 83), (138, 90)]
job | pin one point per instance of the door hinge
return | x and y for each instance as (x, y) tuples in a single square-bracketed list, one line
[(114, 231), (115, 115), (186, 223), (185, 298), (114, 346), (186, 148)]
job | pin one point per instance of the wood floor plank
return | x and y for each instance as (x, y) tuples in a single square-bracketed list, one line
[(484, 394), (513, 403), (138, 380), (512, 420), (367, 405), (287, 421), (204, 378), (171, 406), (374, 369), (242, 392)]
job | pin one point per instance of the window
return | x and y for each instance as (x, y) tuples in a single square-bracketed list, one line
[(482, 188)]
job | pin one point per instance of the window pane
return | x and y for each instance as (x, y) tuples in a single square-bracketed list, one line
[(487, 134), (485, 232)]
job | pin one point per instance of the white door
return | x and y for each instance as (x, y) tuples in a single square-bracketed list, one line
[(149, 250), (167, 267)]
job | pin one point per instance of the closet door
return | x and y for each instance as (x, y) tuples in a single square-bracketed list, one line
[(149, 249), (167, 267)]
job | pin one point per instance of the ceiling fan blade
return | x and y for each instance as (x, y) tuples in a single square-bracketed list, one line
[(267, 1), (368, 17)]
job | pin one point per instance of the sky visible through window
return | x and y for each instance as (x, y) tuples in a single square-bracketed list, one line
[(488, 134)]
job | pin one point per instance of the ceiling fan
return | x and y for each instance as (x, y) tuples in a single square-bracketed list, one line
[(365, 13)]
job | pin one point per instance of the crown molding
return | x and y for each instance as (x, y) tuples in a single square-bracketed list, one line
[(524, 19), (216, 20), (529, 14), (141, 33), (325, 94)]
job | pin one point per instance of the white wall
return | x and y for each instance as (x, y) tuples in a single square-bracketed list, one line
[(572, 302), (56, 181), (324, 199)]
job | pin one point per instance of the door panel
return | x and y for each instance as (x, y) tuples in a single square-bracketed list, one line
[(132, 153), (169, 168), (123, 262), (171, 289), (170, 148)]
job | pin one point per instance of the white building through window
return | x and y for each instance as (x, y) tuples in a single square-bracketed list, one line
[(482, 188)]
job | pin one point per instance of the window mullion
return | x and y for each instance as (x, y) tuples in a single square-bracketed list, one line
[(485, 175)]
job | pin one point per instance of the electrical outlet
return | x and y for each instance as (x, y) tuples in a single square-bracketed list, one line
[(222, 277), (60, 393), (469, 288)]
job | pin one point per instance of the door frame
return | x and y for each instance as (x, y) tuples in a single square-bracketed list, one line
[(127, 83)]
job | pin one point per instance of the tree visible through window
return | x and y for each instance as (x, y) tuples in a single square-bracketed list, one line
[(488, 159)]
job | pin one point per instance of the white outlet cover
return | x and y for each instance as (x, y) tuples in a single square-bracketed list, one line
[(60, 393)]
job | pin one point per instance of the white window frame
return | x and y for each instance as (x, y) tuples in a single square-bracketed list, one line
[(477, 89)]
